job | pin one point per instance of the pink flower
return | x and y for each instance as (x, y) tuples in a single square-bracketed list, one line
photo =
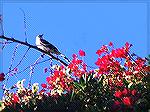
[(81, 53)]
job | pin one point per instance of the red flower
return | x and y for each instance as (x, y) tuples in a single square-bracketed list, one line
[(81, 53), (74, 56), (127, 101), (2, 75), (127, 46), (129, 73), (15, 98), (98, 62), (117, 103), (56, 74), (133, 92), (128, 64), (49, 79), (147, 68), (42, 91), (116, 106), (140, 62), (58, 80), (118, 94), (44, 85), (125, 91), (110, 44), (103, 49)]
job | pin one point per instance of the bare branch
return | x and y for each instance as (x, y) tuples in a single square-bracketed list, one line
[(34, 47)]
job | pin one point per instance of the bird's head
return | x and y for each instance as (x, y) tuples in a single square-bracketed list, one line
[(41, 36)]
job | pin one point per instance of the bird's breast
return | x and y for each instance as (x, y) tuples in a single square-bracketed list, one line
[(38, 44)]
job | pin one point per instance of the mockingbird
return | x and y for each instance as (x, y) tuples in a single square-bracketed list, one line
[(48, 47)]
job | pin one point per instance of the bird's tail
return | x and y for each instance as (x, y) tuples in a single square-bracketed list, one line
[(65, 58)]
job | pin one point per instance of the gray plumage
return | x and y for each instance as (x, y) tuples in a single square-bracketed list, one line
[(46, 46)]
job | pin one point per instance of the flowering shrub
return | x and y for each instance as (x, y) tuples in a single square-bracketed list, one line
[(121, 83)]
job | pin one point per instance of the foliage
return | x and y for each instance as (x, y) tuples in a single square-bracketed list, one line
[(121, 83)]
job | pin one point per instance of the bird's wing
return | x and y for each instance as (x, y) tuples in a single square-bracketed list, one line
[(52, 48)]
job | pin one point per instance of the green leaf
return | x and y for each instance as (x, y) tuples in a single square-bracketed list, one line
[(90, 77), (125, 82), (77, 85), (82, 81), (72, 94)]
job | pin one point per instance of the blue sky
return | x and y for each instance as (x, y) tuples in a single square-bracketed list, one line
[(71, 27)]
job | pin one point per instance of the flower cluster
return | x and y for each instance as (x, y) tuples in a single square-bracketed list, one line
[(59, 82), (118, 64), (77, 66), (120, 83), (22, 95), (125, 97)]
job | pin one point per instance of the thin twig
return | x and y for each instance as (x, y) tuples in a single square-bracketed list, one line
[(19, 61), (1, 24), (32, 65), (51, 65), (32, 68), (13, 57), (12, 60), (5, 42), (34, 47), (24, 21)]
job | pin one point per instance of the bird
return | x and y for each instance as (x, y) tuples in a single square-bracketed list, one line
[(48, 47)]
